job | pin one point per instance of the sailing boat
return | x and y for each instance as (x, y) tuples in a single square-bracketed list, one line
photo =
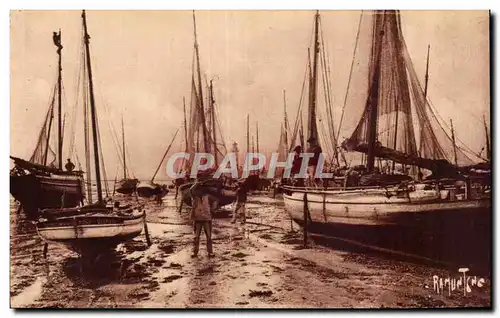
[(126, 185), (391, 87), (208, 141), (95, 227), (150, 189), (38, 183)]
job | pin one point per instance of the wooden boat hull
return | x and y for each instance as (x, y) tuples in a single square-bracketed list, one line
[(375, 207), (127, 186), (91, 234), (457, 232), (147, 190), (36, 192)]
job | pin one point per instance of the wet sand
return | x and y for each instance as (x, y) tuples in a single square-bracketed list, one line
[(258, 265)]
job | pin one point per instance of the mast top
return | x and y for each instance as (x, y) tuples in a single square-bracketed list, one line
[(194, 24)]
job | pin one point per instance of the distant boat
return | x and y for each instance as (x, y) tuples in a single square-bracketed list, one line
[(126, 185), (97, 227), (150, 188), (41, 182), (390, 89)]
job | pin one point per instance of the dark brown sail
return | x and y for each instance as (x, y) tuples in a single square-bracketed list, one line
[(386, 88)]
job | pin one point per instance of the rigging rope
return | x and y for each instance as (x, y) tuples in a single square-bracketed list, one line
[(299, 109), (350, 73)]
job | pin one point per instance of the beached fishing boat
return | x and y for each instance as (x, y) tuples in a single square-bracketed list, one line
[(92, 229), (388, 94), (41, 182), (99, 226)]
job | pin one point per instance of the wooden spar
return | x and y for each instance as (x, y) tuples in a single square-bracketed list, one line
[(395, 136), (301, 132), (373, 103), (214, 132), (427, 72), (313, 130), (59, 105), (87, 143), (309, 66), (426, 79), (306, 219), (201, 108), (185, 123), (48, 131), (164, 155), (257, 135), (92, 111), (286, 120), (488, 149), (253, 145), (248, 136), (123, 150), (454, 144), (183, 165), (114, 186)]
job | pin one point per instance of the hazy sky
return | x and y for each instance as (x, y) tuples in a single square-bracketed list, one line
[(142, 68)]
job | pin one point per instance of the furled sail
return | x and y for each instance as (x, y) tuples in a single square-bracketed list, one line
[(43, 153), (203, 133), (386, 99), (282, 150)]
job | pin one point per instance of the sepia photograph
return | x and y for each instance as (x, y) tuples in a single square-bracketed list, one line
[(320, 159)]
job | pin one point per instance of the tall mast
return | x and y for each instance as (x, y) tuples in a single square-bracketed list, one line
[(123, 150), (488, 150), (88, 162), (92, 111), (286, 120), (185, 123), (427, 72), (313, 130), (426, 79), (201, 107), (373, 101), (257, 135), (212, 109), (454, 144), (248, 135), (59, 103), (301, 132)]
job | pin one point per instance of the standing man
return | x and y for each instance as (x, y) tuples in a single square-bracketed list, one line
[(239, 205), (201, 216), (296, 165), (69, 165)]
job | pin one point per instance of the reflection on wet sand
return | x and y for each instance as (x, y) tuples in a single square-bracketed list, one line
[(261, 264)]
